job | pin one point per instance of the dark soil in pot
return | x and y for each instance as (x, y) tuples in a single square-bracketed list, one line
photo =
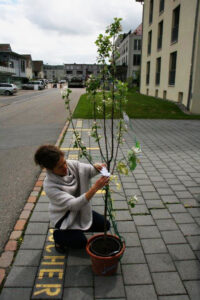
[(104, 247)]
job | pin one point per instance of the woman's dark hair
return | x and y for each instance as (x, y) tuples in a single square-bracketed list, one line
[(47, 156)]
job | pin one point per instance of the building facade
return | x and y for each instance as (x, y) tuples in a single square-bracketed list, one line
[(171, 51), (67, 71), (12, 66), (129, 48), (29, 66), (81, 70), (54, 72), (38, 69)]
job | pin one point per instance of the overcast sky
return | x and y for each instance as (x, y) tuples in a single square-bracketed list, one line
[(62, 31)]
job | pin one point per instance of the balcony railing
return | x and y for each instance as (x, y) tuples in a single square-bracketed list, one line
[(7, 70)]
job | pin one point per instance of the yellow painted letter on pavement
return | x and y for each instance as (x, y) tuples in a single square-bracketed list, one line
[(48, 289), (48, 247), (50, 273), (52, 260)]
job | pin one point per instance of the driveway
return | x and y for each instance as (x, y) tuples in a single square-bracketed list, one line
[(26, 121)]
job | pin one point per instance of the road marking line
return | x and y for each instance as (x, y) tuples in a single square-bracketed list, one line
[(73, 156), (79, 129), (79, 123), (100, 192), (76, 149)]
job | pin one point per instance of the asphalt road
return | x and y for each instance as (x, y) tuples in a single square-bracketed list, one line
[(26, 122)]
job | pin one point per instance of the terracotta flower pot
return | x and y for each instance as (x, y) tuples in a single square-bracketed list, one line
[(105, 265)]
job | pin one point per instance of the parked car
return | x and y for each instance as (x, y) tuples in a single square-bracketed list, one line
[(8, 89), (44, 81), (62, 81), (31, 85), (76, 82)]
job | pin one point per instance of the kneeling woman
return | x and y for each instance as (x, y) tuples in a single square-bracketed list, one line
[(67, 187)]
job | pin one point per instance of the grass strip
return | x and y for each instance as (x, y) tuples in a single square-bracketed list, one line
[(138, 107)]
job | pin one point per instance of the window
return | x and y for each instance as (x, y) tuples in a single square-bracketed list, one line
[(165, 94), (156, 93), (136, 59), (158, 69), (160, 35), (175, 24), (68, 72), (180, 97), (11, 64), (79, 72), (22, 65), (149, 42), (172, 68), (162, 6), (151, 11), (148, 73), (137, 44)]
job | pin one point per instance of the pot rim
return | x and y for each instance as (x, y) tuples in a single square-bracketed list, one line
[(104, 257)]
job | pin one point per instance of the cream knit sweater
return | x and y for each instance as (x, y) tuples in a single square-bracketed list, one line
[(68, 194)]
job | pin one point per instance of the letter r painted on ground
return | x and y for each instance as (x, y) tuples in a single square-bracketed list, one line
[(48, 289)]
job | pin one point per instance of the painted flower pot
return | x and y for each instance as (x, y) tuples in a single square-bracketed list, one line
[(105, 255)]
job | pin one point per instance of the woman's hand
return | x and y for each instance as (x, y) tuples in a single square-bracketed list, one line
[(101, 182), (99, 166)]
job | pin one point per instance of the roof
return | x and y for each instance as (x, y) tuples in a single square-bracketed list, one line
[(5, 48), (27, 56), (138, 30)]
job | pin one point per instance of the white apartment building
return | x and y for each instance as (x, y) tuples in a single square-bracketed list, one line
[(12, 66), (129, 47), (170, 67), (54, 72), (67, 71), (81, 70)]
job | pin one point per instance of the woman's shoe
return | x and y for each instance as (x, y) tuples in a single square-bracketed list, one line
[(61, 249)]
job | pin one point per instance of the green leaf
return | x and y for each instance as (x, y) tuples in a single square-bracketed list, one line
[(132, 160), (122, 168), (132, 201)]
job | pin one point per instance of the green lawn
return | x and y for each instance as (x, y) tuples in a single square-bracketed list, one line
[(138, 106)]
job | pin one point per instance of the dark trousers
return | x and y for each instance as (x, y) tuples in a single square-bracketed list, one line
[(74, 238)]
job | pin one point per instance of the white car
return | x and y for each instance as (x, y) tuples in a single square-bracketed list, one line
[(8, 89), (32, 85)]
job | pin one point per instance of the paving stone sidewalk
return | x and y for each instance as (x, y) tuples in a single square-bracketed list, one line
[(162, 232)]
